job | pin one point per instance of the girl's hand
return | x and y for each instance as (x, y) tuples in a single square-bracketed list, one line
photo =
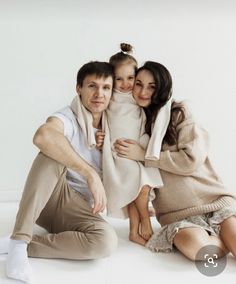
[(129, 149), (99, 136)]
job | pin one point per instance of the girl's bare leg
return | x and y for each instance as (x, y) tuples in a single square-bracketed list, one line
[(190, 240), (134, 221), (141, 203), (228, 234)]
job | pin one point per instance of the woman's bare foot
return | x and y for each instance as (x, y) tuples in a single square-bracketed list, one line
[(136, 238), (146, 228)]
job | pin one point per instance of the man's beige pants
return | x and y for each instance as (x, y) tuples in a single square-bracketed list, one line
[(74, 232)]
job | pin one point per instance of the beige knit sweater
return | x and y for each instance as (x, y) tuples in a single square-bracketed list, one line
[(191, 186)]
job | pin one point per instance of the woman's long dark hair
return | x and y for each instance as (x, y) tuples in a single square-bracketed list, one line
[(161, 96)]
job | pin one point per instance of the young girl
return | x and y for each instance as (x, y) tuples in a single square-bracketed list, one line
[(127, 183), (193, 207)]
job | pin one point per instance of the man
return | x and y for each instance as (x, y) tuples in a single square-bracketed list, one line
[(63, 192)]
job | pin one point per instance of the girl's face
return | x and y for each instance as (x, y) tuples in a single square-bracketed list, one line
[(144, 88), (124, 77)]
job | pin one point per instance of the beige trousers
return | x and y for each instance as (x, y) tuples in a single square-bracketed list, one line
[(74, 232)]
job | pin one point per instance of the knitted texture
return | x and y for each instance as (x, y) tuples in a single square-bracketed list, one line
[(191, 185)]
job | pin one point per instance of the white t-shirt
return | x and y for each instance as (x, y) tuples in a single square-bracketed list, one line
[(74, 134)]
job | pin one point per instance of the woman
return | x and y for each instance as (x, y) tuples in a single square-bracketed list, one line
[(193, 207)]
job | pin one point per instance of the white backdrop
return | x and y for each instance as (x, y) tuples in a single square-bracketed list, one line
[(43, 43)]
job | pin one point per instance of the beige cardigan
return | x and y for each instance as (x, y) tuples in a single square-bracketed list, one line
[(191, 186)]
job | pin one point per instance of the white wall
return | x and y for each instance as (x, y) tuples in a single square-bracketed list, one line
[(43, 43)]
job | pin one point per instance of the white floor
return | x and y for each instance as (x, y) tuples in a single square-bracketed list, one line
[(131, 263)]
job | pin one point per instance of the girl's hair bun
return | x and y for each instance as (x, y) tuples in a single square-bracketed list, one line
[(125, 47)]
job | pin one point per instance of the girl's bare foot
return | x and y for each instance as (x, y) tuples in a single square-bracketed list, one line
[(136, 238), (146, 228)]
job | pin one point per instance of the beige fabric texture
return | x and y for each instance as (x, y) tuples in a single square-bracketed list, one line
[(191, 185), (124, 178), (158, 132), (74, 232), (85, 120)]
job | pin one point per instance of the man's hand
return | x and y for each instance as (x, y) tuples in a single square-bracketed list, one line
[(97, 189), (99, 136), (129, 149)]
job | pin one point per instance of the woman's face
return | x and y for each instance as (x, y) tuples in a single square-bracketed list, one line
[(144, 88)]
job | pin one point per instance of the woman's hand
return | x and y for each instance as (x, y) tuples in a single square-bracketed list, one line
[(99, 136), (129, 149)]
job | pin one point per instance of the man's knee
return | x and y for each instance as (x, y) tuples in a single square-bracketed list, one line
[(107, 241), (44, 170), (44, 162)]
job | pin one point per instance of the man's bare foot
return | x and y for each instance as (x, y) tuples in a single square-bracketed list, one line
[(146, 228), (136, 238)]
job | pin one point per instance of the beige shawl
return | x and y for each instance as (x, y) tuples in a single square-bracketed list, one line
[(158, 132), (85, 120)]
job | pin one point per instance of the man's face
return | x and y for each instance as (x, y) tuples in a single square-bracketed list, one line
[(95, 93)]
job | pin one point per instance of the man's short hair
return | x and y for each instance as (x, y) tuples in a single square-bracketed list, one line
[(100, 69)]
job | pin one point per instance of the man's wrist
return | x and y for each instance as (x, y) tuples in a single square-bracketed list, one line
[(87, 172)]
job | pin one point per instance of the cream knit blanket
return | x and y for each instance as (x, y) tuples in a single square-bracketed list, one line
[(158, 132), (123, 178), (85, 120)]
